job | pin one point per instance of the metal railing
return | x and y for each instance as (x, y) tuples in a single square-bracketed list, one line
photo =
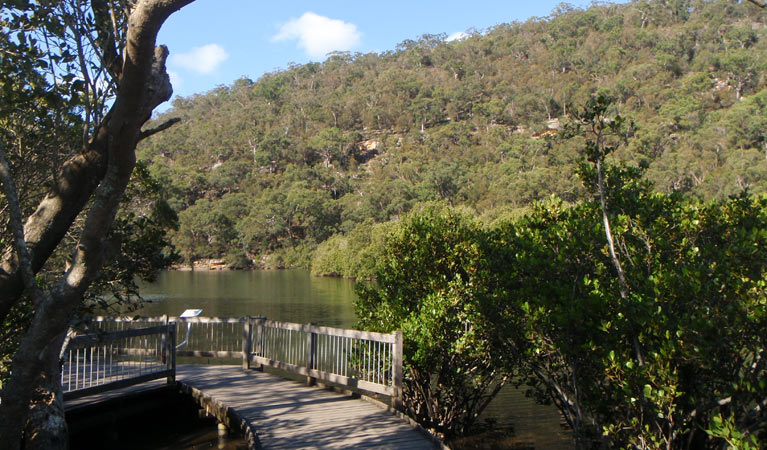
[(358, 360), (103, 361)]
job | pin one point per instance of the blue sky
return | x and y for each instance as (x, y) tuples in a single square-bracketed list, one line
[(214, 42)]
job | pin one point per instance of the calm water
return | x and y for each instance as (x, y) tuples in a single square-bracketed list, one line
[(296, 296), (286, 295)]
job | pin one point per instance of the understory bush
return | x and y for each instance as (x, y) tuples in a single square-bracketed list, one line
[(680, 362), (435, 281), (537, 298)]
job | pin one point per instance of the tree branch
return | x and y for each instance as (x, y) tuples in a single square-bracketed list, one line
[(146, 86), (50, 222), (164, 126), (16, 221), (143, 82), (107, 35), (758, 3)]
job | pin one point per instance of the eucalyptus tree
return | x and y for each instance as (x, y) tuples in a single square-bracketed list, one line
[(98, 60)]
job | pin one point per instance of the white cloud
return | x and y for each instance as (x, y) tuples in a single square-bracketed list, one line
[(457, 36), (319, 35), (204, 60), (175, 79)]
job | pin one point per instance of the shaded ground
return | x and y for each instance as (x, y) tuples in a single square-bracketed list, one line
[(160, 419)]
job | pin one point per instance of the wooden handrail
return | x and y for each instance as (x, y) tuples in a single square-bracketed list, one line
[(329, 331), (355, 359), (97, 362), (95, 338)]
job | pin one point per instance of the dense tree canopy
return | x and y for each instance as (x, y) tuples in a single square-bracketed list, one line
[(473, 121)]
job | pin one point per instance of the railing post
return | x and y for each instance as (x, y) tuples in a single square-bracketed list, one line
[(259, 350), (311, 354), (397, 374), (171, 352), (164, 343), (247, 335)]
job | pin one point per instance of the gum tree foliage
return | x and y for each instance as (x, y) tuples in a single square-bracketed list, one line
[(353, 254), (89, 70), (473, 121)]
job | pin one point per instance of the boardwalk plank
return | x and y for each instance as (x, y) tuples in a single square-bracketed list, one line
[(287, 414)]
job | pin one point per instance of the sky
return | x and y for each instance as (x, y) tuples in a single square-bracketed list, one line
[(214, 42)]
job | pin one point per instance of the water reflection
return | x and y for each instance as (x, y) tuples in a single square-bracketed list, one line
[(287, 295)]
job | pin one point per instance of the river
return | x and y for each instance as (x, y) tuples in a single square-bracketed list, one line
[(286, 295), (296, 296)]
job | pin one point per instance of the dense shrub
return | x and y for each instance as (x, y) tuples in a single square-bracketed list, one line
[(679, 363), (437, 281)]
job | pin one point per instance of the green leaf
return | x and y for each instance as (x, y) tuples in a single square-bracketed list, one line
[(647, 391)]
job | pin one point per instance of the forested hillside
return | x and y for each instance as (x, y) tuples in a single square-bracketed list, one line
[(263, 172)]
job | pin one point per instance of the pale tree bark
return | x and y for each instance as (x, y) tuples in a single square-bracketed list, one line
[(597, 131), (101, 171), (46, 427), (623, 286)]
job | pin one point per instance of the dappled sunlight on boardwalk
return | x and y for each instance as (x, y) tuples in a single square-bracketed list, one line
[(287, 414)]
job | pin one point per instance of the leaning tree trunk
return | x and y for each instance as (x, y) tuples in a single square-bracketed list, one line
[(46, 426), (143, 84)]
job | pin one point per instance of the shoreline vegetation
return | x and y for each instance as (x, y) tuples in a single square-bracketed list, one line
[(219, 264)]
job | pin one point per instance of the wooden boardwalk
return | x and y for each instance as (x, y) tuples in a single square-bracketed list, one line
[(286, 414), (272, 412)]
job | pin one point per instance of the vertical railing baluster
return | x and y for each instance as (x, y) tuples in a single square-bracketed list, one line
[(335, 354), (129, 363), (170, 350), (320, 352), (99, 363), (397, 371), (210, 334), (347, 341), (247, 336)]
